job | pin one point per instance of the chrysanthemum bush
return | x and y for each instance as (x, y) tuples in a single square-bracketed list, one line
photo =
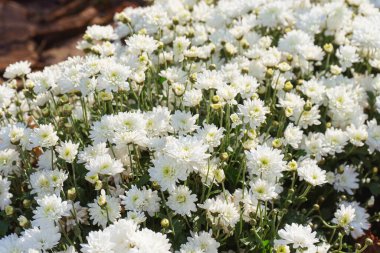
[(192, 126)]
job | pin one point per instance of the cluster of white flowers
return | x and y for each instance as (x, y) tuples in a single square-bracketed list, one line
[(199, 126)]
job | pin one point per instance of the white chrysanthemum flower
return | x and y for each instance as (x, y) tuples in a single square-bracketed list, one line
[(180, 44), (265, 162), (344, 216), (263, 190), (358, 135), (189, 152), (209, 80), (44, 136), (136, 216), (5, 195), (50, 209), (220, 212), (192, 97), (104, 165), (297, 235), (47, 182), (309, 171), (211, 135), (144, 200), (40, 239), (98, 242), (336, 140), (108, 212), (9, 162), (347, 56), (200, 242), (68, 151), (293, 135), (91, 152), (373, 140), (346, 180), (360, 222), (17, 69), (10, 244), (253, 112), (167, 172), (6, 95), (181, 201), (98, 32), (137, 44), (184, 122), (113, 77)]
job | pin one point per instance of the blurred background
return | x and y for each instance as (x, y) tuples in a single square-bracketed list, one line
[(45, 32)]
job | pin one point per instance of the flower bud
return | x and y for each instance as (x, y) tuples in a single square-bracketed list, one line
[(244, 70), (155, 185), (63, 100), (224, 156), (98, 185), (102, 200), (335, 70), (269, 73), (283, 67), (219, 175), (26, 203), (288, 112), (23, 221), (216, 106), (122, 17), (316, 207), (71, 194), (193, 77), (368, 242), (288, 86), (308, 105), (212, 66), (215, 99), (165, 223), (328, 47), (143, 31), (105, 96), (277, 143), (9, 210), (292, 165)]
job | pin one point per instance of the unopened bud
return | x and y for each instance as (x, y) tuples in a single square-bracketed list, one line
[(193, 77), (26, 203), (368, 242), (98, 185), (212, 66), (308, 105), (288, 86), (105, 96), (328, 47), (102, 200), (71, 194), (9, 210), (23, 221), (283, 67), (277, 143), (215, 99), (269, 73), (165, 223), (224, 156)]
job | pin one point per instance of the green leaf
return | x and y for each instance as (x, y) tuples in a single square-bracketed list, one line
[(374, 188)]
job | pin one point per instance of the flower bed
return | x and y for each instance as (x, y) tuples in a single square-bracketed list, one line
[(235, 126)]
